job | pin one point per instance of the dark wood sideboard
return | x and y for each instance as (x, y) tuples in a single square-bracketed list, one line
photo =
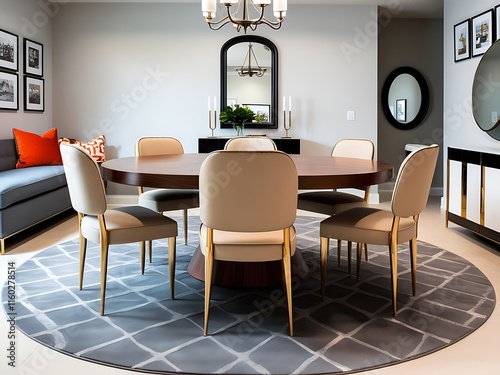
[(288, 145)]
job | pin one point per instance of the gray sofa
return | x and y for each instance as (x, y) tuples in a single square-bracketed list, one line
[(28, 195)]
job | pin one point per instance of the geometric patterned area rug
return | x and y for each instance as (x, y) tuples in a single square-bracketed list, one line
[(352, 329)]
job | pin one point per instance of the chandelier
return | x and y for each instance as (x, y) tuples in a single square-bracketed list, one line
[(209, 7), (249, 70)]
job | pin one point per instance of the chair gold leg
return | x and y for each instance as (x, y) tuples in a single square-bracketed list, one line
[(185, 214), (143, 256), (83, 252), (209, 254), (339, 248), (393, 254), (413, 255), (325, 244), (171, 264), (288, 276), (104, 272), (349, 256), (359, 251)]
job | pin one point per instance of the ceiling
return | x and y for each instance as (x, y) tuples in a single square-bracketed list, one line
[(398, 8)]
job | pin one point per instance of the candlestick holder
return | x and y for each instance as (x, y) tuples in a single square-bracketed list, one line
[(286, 125), (211, 125)]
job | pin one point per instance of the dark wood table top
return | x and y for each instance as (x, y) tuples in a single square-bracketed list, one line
[(182, 171)]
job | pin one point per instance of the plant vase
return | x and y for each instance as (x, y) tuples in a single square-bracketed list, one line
[(239, 130)]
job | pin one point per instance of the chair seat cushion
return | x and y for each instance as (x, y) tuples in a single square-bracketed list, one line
[(161, 200), (366, 225), (247, 246), (130, 224), (329, 202)]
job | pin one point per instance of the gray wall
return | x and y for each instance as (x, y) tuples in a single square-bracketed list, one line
[(417, 43), (28, 20)]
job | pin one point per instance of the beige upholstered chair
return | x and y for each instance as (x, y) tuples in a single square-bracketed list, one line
[(248, 204), (163, 200), (332, 202), (108, 227), (384, 227), (250, 143)]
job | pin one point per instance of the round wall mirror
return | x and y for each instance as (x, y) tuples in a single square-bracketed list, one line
[(486, 92), (249, 77), (405, 98)]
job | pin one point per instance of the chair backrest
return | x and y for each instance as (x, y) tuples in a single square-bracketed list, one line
[(354, 148), (413, 183), (245, 191), (158, 146), (250, 143), (85, 185)]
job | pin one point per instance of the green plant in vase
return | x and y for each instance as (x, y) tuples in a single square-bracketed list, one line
[(238, 116)]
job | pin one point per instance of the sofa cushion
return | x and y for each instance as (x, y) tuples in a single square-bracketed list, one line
[(8, 154), (17, 185), (34, 149)]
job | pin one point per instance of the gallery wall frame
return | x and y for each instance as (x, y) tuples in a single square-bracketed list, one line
[(9, 91), (34, 94), (462, 40), (33, 58), (401, 110), (482, 32), (9, 51)]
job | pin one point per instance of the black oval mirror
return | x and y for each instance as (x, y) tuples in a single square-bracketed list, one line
[(405, 98), (258, 92), (486, 92)]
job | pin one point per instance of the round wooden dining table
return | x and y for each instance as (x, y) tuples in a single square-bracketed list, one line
[(182, 172)]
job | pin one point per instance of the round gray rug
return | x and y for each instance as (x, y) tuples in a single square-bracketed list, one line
[(351, 330)]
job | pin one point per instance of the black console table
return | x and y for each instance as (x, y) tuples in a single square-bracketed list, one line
[(288, 145)]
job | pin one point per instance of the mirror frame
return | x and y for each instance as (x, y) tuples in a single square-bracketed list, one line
[(273, 115), (424, 91)]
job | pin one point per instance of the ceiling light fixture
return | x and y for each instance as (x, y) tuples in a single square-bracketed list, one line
[(248, 70), (209, 7)]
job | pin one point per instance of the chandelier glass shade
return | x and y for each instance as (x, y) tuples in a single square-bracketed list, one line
[(240, 15), (247, 69)]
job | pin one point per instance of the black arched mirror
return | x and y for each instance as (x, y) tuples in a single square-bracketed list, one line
[(405, 98), (237, 86), (486, 93)]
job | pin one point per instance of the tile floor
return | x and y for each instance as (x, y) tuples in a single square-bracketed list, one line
[(477, 353)]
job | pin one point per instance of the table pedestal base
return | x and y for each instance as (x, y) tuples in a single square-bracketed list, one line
[(246, 274)]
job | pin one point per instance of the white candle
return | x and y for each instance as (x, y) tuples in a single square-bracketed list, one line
[(215, 103), (290, 103), (209, 104), (284, 103)]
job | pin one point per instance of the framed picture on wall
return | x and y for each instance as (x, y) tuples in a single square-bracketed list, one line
[(462, 40), (9, 50), (33, 58), (497, 22), (34, 94), (482, 31), (401, 110), (9, 89)]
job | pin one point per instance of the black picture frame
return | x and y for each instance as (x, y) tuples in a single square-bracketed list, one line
[(33, 58), (482, 32), (9, 91), (34, 94), (401, 110), (462, 40), (497, 21), (9, 51)]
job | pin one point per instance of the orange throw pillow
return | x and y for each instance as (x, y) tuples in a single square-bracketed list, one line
[(33, 149)]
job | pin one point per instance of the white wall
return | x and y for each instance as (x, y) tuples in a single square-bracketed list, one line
[(459, 126), (104, 55), (27, 19)]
